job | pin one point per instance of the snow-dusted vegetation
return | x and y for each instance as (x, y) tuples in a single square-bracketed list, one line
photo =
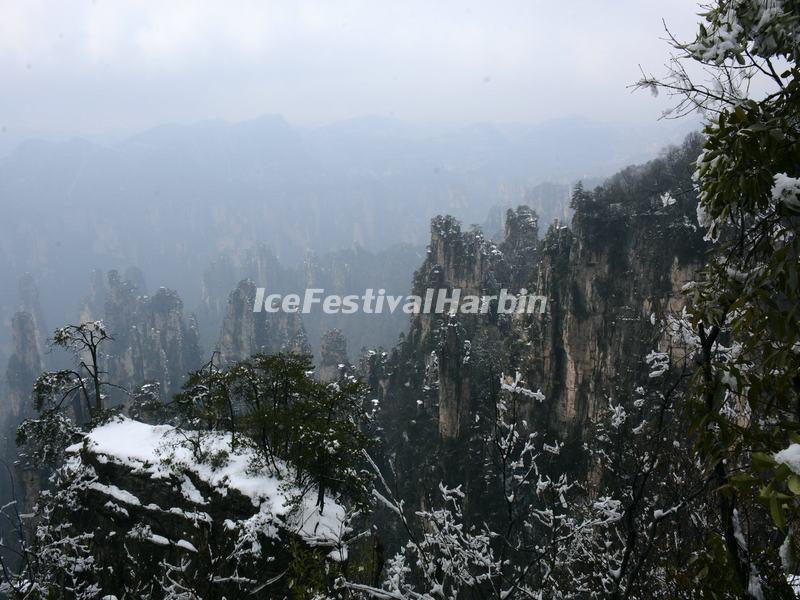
[(646, 446)]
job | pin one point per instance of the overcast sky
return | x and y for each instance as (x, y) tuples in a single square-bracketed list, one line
[(98, 67)]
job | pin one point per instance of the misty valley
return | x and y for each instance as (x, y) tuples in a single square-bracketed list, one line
[(399, 358)]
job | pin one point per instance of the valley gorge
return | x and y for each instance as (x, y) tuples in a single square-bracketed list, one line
[(400, 300), (611, 279)]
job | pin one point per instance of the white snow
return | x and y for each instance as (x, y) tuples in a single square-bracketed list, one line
[(186, 545), (790, 457), (659, 363), (143, 532), (338, 554), (161, 451), (787, 190), (116, 493), (126, 441), (190, 492), (618, 414), (659, 514), (785, 553), (720, 42), (514, 386), (703, 218), (159, 540), (114, 507)]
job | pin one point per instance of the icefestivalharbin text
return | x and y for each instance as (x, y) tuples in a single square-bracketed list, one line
[(436, 301)]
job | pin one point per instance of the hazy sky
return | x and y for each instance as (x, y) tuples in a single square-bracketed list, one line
[(90, 67)]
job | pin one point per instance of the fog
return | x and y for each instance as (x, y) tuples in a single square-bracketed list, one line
[(196, 144), (96, 68)]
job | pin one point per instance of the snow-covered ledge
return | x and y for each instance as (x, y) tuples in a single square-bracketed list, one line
[(162, 452)]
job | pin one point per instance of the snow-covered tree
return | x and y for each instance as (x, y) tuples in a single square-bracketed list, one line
[(540, 536), (70, 398), (272, 403), (745, 400)]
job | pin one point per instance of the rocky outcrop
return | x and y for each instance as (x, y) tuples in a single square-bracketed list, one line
[(609, 280), (333, 355), (246, 332), (153, 341), (24, 366), (29, 303), (161, 512), (259, 264), (343, 272), (93, 303), (622, 275), (454, 382), (27, 357), (468, 262)]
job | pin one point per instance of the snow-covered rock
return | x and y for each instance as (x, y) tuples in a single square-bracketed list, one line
[(157, 500)]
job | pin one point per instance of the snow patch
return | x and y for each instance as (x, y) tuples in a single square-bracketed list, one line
[(162, 452), (786, 190), (190, 492), (790, 457), (667, 199)]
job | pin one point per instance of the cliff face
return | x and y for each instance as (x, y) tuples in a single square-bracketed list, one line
[(620, 273), (342, 272), (456, 347), (24, 366), (25, 363), (608, 279), (153, 341), (224, 274), (245, 332), (451, 348), (29, 303), (333, 355)]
